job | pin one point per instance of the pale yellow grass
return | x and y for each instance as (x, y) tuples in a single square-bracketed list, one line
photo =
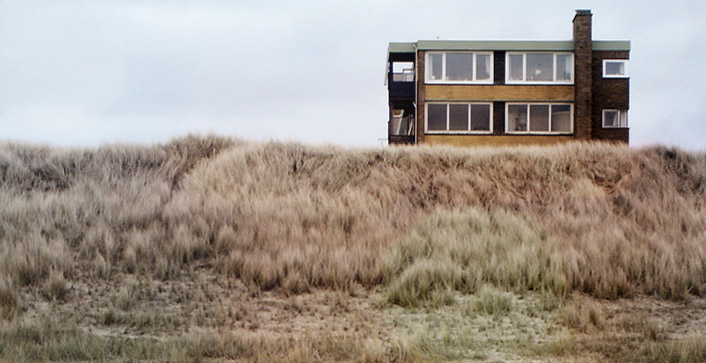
[(417, 225)]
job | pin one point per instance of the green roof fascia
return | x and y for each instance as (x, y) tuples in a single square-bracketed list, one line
[(494, 45), (611, 45), (515, 45), (402, 48)]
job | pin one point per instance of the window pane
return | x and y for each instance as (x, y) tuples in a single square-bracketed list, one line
[(615, 68), (610, 118), (480, 117), (561, 118), (539, 117), (482, 67), (624, 118), (564, 67), (517, 118), (436, 117), (459, 66), (458, 117), (435, 64), (540, 66), (516, 67)]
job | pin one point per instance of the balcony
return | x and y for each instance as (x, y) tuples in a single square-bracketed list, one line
[(400, 129), (401, 81)]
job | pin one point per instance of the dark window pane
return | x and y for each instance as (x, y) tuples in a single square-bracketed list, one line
[(517, 118), (458, 117), (561, 118), (540, 66), (435, 64), (539, 117), (459, 66), (436, 117), (564, 67), (615, 68), (610, 119), (482, 67), (480, 117), (515, 67)]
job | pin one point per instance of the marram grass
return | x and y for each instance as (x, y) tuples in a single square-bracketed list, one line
[(420, 224)]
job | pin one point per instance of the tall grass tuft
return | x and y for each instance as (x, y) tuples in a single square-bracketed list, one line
[(463, 249), (606, 220)]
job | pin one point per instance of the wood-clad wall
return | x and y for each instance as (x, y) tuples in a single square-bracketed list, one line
[(543, 93)]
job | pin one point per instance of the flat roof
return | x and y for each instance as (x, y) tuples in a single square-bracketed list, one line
[(402, 48), (511, 45)]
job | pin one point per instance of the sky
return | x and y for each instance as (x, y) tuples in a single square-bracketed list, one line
[(86, 73)]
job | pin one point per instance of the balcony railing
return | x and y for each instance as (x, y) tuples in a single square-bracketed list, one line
[(406, 76)]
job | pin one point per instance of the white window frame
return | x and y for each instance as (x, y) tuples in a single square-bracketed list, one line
[(524, 69), (443, 79), (622, 119), (625, 65), (529, 118), (448, 115)]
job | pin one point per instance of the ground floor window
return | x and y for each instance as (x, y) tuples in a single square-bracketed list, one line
[(615, 118), (459, 117), (547, 118)]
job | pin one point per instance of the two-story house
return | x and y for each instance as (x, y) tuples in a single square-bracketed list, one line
[(509, 92)]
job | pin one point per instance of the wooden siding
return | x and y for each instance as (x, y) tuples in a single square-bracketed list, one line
[(495, 140), (537, 93)]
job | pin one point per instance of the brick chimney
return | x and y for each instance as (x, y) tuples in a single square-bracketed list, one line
[(582, 73)]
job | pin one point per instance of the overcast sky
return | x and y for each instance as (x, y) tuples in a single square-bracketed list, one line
[(85, 73)]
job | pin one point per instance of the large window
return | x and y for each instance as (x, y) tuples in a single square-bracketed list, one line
[(459, 67), (459, 118), (539, 68), (615, 68), (538, 118), (615, 118)]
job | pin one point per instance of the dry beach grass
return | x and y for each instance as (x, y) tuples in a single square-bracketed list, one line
[(209, 247)]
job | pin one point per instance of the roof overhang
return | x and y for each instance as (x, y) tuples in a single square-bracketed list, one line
[(409, 47), (504, 45)]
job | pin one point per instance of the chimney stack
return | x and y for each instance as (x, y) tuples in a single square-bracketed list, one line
[(583, 56)]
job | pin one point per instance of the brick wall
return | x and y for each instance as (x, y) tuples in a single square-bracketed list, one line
[(608, 93), (421, 100), (583, 47)]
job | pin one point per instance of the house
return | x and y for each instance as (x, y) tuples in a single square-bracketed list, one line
[(509, 92)]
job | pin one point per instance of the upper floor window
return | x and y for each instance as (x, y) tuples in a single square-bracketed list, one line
[(544, 67), (556, 118), (615, 68), (615, 118), (459, 67)]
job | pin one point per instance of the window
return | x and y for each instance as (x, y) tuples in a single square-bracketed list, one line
[(540, 67), (615, 68), (458, 117), (538, 118), (459, 67), (615, 118)]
